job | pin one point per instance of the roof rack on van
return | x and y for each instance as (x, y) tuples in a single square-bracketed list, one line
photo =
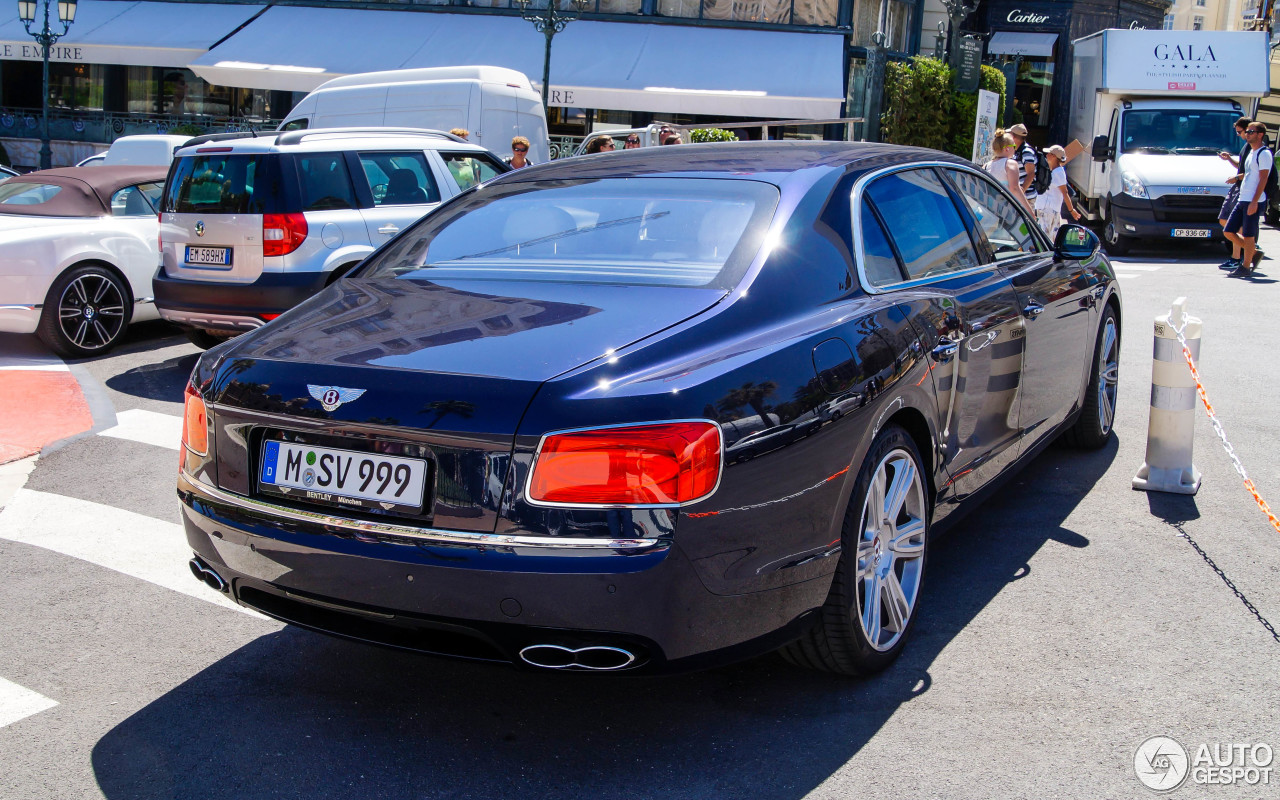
[(295, 137), (219, 137)]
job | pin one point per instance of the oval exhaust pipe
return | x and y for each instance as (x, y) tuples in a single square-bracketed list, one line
[(599, 658), (205, 574)]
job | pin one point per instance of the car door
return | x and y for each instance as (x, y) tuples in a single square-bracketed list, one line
[(916, 246), (1054, 296), (402, 187), (133, 211)]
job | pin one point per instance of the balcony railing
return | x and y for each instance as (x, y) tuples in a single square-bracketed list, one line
[(104, 127)]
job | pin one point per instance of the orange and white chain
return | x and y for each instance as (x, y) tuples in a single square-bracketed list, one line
[(1217, 426)]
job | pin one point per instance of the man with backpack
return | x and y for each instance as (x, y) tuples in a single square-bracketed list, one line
[(1242, 224), (1028, 163), (1233, 194)]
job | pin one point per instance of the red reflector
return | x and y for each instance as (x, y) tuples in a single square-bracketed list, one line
[(213, 149), (195, 424), (268, 317), (282, 233), (676, 462)]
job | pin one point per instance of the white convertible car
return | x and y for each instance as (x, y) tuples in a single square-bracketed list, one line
[(78, 250)]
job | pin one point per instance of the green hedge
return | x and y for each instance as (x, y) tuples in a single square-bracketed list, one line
[(712, 135), (922, 109)]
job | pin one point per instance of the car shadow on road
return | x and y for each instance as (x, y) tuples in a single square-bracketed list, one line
[(296, 714), (164, 380)]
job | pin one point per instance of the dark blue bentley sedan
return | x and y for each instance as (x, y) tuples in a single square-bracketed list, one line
[(650, 410)]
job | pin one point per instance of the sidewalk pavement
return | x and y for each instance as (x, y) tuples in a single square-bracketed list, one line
[(40, 400)]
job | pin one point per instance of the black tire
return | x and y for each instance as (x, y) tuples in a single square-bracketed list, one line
[(85, 312), (843, 640), (206, 339), (1117, 245), (1097, 413)]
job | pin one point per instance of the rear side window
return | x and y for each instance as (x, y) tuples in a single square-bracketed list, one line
[(135, 201), (223, 183), (879, 263), (326, 184), (469, 169), (13, 193), (923, 223), (398, 179)]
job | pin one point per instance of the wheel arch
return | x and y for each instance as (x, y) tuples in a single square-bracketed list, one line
[(109, 267), (913, 421)]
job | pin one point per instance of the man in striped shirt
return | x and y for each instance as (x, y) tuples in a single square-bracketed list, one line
[(1025, 155)]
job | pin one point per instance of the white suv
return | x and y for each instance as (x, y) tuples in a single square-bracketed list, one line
[(251, 225)]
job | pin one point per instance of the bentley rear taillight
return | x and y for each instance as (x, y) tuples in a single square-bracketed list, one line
[(195, 423), (670, 463)]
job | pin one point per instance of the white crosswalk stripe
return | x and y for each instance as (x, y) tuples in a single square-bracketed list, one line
[(18, 703), (134, 544), (148, 427)]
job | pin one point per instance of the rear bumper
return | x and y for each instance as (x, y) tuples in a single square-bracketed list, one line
[(485, 602), (233, 307)]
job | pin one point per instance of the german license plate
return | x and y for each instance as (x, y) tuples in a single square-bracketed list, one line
[(209, 256), (347, 478), (1190, 233)]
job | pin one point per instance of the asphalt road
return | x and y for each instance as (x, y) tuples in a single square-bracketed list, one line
[(1064, 623)]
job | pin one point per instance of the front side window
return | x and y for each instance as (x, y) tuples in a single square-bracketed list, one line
[(923, 223), (136, 201), (399, 179), (638, 231), (222, 183), (469, 169), (326, 184), (1008, 230)]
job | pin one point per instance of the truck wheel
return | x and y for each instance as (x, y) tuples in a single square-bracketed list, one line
[(1117, 245)]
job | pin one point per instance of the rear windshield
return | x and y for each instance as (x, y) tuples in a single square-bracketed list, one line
[(693, 232), (220, 183)]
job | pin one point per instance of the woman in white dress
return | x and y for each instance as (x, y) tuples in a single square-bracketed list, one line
[(1004, 168)]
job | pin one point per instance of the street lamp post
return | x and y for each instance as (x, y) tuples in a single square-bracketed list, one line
[(46, 38), (549, 21)]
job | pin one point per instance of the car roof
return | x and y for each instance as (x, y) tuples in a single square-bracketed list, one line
[(771, 161), (329, 139), (86, 190)]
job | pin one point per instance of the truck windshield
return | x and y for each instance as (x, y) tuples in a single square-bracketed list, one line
[(1180, 131)]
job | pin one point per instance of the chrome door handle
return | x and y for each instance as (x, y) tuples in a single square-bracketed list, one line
[(388, 229), (1032, 310), (945, 351)]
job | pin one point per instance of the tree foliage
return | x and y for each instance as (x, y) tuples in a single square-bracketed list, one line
[(712, 135), (922, 108)]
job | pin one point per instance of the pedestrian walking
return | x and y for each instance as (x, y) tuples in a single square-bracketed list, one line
[(519, 153), (1242, 223), (1049, 205), (1004, 167), (1025, 155), (1233, 194)]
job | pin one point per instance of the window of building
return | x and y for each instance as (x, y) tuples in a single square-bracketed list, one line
[(76, 86), (1197, 23), (1168, 22), (1199, 3)]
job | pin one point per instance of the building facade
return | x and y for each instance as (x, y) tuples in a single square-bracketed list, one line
[(210, 66)]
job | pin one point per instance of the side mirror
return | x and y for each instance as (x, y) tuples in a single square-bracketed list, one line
[(1075, 242), (1101, 150)]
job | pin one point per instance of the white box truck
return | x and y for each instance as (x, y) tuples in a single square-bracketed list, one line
[(1157, 107), (494, 104)]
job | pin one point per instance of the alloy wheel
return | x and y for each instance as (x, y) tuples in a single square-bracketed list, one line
[(91, 311), (890, 557), (1108, 375)]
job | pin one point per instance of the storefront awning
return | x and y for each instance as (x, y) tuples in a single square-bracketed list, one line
[(1020, 43), (612, 65), (144, 34)]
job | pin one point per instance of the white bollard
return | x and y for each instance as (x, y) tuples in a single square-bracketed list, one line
[(1168, 467)]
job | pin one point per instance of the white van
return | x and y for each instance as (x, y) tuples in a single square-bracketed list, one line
[(148, 149), (494, 103)]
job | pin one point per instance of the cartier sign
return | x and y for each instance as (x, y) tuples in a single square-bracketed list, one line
[(1026, 17)]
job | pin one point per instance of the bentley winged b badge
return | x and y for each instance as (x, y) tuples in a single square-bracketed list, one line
[(331, 397)]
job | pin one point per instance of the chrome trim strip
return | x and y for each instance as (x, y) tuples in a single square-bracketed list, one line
[(855, 207), (144, 300), (22, 307), (215, 495), (536, 453), (219, 322)]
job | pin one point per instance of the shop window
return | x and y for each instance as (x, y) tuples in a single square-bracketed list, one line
[(619, 6), (897, 26), (143, 90), (815, 12), (716, 9), (76, 86)]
